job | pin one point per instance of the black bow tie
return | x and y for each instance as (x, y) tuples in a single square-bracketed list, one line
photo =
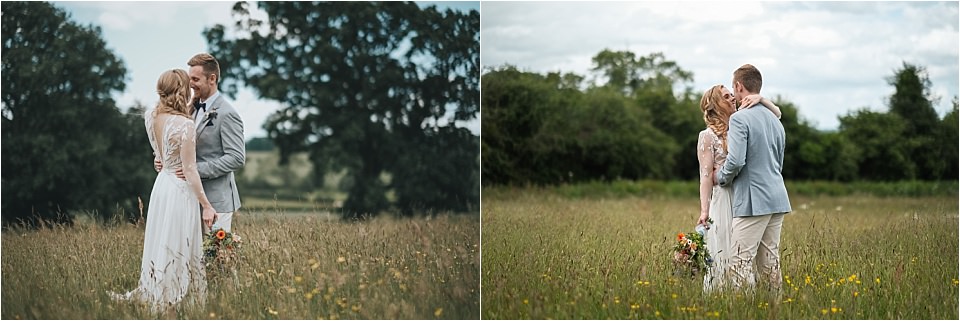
[(198, 106)]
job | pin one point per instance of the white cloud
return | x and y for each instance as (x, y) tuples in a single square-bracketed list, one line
[(125, 15)]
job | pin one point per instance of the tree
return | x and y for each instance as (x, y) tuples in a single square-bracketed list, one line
[(649, 81), (627, 73), (947, 142), (883, 154), (66, 146), (805, 156), (544, 130), (515, 106), (913, 102), (375, 88)]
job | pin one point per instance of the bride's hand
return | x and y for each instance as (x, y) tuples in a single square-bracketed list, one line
[(704, 216), (209, 214), (750, 101)]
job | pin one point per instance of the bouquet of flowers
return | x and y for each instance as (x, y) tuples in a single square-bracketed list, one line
[(220, 249), (690, 252)]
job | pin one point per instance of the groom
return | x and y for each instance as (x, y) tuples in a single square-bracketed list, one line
[(756, 141), (220, 147)]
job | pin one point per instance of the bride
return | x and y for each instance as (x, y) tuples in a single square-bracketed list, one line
[(171, 266), (717, 105)]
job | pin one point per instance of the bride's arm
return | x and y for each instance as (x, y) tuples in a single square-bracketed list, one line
[(188, 156), (751, 100), (705, 156)]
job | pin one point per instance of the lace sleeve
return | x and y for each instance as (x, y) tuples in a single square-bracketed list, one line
[(705, 152), (705, 156), (187, 136)]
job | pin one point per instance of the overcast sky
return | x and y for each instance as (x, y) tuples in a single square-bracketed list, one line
[(152, 37), (828, 58)]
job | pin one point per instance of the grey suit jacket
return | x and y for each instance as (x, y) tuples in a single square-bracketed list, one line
[(755, 144), (220, 152)]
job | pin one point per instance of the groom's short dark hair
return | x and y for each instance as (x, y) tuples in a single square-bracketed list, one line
[(749, 77), (210, 64)]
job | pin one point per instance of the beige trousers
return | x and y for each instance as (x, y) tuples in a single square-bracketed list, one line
[(755, 240), (224, 221)]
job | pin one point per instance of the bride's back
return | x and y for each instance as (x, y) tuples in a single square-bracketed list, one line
[(172, 130)]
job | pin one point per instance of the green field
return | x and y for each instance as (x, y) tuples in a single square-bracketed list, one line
[(293, 267), (550, 255)]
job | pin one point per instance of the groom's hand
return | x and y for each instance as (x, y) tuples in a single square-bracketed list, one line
[(157, 164), (180, 175)]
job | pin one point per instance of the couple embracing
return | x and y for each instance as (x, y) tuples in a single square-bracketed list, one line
[(197, 142), (741, 185)]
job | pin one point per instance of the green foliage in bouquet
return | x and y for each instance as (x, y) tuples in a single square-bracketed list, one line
[(220, 251), (690, 253)]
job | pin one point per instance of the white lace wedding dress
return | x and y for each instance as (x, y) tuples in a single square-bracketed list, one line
[(711, 154), (172, 250)]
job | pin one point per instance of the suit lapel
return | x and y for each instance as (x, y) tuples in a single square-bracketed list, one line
[(213, 107)]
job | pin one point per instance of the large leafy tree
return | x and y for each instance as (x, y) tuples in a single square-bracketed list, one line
[(913, 102), (372, 87), (649, 81), (66, 147)]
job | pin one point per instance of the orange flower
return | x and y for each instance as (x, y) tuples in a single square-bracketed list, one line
[(221, 234), (680, 237)]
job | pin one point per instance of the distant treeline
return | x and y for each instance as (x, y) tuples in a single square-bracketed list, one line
[(626, 122), (691, 189), (260, 144)]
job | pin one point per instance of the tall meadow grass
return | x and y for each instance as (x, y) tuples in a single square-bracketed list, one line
[(291, 267), (547, 255)]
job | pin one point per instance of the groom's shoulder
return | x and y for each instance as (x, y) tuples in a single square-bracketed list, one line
[(225, 104), (745, 113)]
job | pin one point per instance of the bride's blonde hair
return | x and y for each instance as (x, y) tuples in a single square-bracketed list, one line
[(174, 90), (716, 112)]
